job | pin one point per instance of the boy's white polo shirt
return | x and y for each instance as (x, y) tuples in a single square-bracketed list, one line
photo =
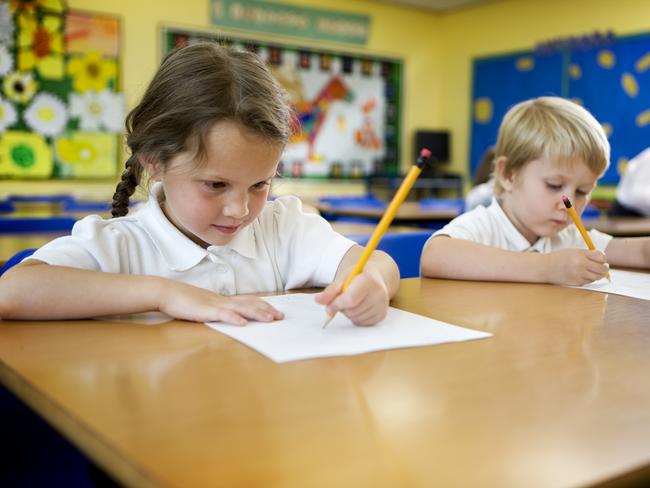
[(492, 227), (283, 248)]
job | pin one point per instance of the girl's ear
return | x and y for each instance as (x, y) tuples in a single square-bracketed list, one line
[(505, 176), (151, 167)]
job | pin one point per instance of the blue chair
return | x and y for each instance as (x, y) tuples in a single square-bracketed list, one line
[(15, 259), (54, 223), (6, 206), (405, 248)]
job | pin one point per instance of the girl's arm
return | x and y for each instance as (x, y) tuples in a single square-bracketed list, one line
[(365, 301), (631, 252), (34, 290), (445, 257)]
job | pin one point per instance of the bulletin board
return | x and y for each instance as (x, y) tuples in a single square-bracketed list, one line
[(348, 105), (60, 109), (611, 80)]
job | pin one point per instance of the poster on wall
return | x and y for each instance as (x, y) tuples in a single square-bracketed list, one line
[(61, 114), (347, 105)]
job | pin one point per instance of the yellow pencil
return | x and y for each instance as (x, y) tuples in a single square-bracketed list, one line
[(583, 232), (385, 221)]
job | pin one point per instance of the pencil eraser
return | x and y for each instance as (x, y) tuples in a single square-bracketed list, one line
[(424, 152), (566, 201)]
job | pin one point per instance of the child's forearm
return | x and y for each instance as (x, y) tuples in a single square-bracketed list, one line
[(444, 257), (631, 252), (40, 291)]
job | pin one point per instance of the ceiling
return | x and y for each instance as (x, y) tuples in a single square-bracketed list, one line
[(434, 5)]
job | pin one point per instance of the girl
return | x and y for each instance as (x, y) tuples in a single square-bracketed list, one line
[(209, 132), (547, 148)]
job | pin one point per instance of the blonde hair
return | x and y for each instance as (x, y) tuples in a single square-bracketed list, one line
[(554, 128)]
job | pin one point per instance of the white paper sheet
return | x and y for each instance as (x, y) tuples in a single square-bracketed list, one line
[(627, 283), (301, 335)]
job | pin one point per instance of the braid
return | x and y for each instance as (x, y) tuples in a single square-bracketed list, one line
[(126, 187)]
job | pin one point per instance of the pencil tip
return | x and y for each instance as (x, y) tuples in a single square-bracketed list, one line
[(329, 319)]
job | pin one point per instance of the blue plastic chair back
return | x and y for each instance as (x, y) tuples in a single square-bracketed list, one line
[(55, 223), (405, 248), (15, 259)]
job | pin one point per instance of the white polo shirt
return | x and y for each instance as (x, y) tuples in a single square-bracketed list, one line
[(492, 227), (633, 189), (283, 248)]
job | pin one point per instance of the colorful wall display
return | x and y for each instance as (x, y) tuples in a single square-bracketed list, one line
[(60, 110), (611, 80), (348, 105)]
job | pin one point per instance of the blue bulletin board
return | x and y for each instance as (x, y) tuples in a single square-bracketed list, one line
[(612, 81)]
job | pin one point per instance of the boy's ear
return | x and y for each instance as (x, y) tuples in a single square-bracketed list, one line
[(505, 176)]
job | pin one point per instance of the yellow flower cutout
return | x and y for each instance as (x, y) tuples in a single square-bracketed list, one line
[(86, 154), (25, 154), (91, 71), (33, 5), (19, 87), (40, 45)]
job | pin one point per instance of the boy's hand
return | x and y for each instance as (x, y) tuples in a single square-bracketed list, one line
[(364, 302), (575, 266), (187, 302)]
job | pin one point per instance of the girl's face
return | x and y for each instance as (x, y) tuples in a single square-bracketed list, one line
[(532, 197), (211, 202)]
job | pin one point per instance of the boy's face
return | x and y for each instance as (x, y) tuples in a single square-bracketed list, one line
[(211, 203), (532, 197)]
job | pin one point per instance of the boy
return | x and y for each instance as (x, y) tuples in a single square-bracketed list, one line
[(547, 148)]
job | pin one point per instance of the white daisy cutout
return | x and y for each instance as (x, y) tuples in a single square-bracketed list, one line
[(46, 115), (98, 110), (6, 60), (8, 115)]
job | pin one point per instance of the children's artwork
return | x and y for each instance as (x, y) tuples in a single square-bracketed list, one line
[(626, 283), (347, 106), (300, 335), (60, 111), (580, 71)]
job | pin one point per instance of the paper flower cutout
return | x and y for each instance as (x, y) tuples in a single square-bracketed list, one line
[(91, 72), (8, 115), (24, 154), (19, 87), (96, 111), (32, 5), (87, 155), (6, 60), (46, 115), (40, 45), (6, 25)]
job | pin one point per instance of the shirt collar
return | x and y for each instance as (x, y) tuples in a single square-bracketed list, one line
[(179, 251), (517, 240)]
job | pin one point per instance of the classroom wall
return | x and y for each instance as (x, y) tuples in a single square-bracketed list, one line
[(514, 25), (408, 34), (437, 49)]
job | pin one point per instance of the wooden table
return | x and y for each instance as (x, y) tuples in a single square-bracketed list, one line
[(351, 228), (621, 226), (558, 397)]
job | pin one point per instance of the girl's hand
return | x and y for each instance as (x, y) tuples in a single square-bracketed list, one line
[(575, 266), (364, 302), (188, 302)]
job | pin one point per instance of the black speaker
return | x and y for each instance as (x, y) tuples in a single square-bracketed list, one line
[(435, 141)]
